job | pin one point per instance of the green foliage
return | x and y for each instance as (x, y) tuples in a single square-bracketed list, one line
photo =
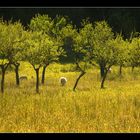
[(51, 41), (83, 46), (77, 44), (41, 23), (104, 50), (59, 22), (40, 49), (122, 50), (11, 40), (135, 52), (45, 24), (51, 49), (17, 36), (3, 42), (33, 49)]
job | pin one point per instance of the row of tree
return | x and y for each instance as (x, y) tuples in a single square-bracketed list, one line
[(48, 40)]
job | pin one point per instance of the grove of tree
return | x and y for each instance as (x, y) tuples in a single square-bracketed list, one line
[(47, 40)]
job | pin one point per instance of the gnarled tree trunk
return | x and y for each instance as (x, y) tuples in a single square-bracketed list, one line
[(120, 70), (104, 77), (17, 73), (43, 74), (102, 70), (133, 68), (37, 80), (77, 80), (3, 68)]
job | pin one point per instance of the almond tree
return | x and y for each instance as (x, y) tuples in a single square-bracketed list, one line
[(16, 36), (50, 27), (4, 51), (52, 51), (33, 53), (99, 46), (104, 52), (123, 52), (135, 52), (83, 49), (102, 34), (39, 48), (79, 47)]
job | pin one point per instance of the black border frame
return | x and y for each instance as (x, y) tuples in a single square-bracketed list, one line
[(70, 3)]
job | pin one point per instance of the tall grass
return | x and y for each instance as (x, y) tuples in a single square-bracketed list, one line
[(58, 109)]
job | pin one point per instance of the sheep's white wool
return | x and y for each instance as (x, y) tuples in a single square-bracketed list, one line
[(23, 78), (109, 70), (63, 80)]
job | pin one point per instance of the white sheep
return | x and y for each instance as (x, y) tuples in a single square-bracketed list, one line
[(109, 71), (23, 78), (63, 80)]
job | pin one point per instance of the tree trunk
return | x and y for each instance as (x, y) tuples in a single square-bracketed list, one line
[(77, 80), (17, 74), (104, 78), (102, 71), (43, 74), (2, 80), (3, 68), (37, 80), (120, 70), (133, 68)]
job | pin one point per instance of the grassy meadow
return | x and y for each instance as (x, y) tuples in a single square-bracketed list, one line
[(58, 109)]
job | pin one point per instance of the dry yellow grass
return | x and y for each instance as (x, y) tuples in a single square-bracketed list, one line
[(59, 109)]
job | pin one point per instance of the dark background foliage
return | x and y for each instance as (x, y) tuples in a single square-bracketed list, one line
[(121, 19)]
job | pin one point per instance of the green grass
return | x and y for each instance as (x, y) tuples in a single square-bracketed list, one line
[(58, 109)]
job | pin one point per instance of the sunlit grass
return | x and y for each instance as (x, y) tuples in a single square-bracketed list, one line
[(58, 109)]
